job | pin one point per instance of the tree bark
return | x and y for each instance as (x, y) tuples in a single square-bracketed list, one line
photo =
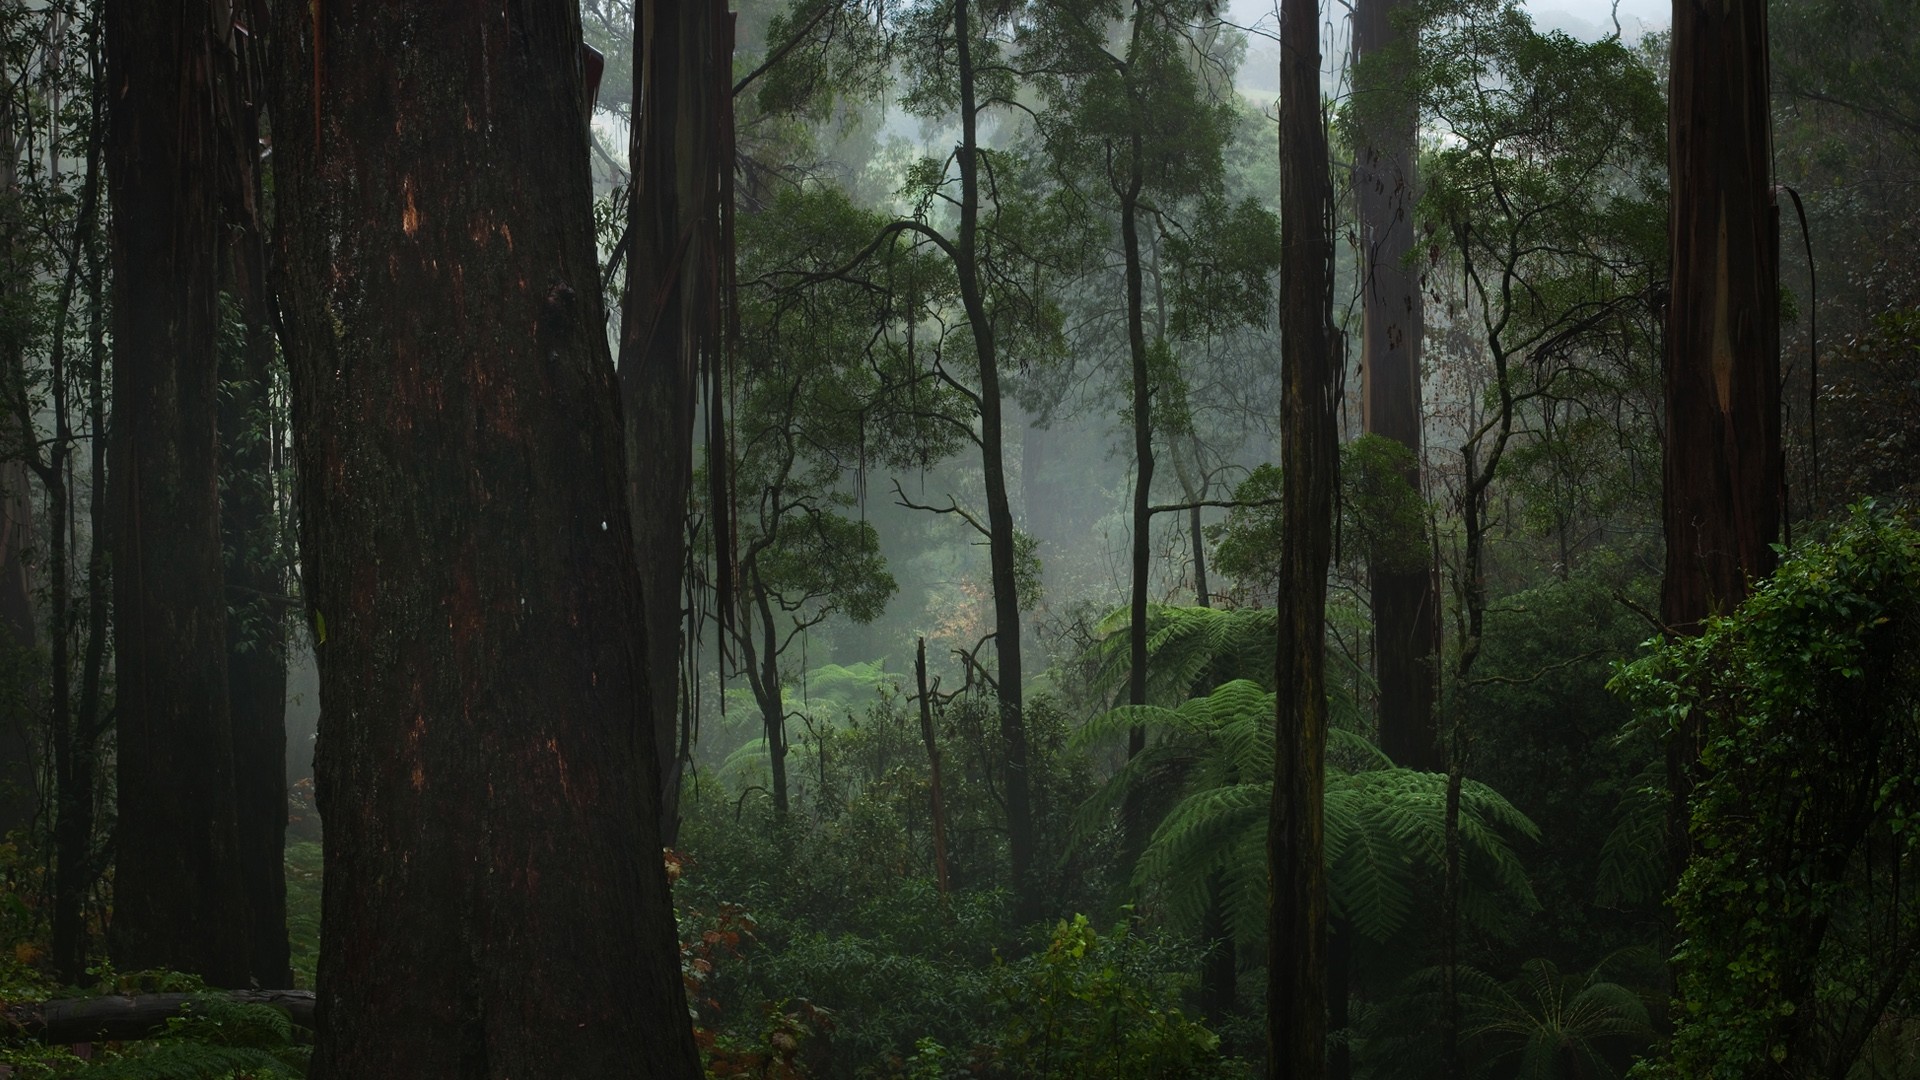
[(1297, 911), (490, 792), (1406, 610), (19, 630), (1724, 470), (177, 883), (670, 322)]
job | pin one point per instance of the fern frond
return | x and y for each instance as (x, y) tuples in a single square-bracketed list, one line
[(1633, 856)]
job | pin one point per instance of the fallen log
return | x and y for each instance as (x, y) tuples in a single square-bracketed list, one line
[(135, 1016)]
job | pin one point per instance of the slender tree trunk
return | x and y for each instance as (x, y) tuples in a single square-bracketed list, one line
[(1006, 598), (490, 793), (670, 322), (1406, 611), (766, 692), (933, 766), (1133, 812), (249, 519), (1297, 913), (177, 883)]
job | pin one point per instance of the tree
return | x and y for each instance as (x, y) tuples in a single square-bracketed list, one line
[(1724, 472), (1139, 133), (490, 794), (1723, 461), (1406, 607), (1297, 911), (670, 325), (177, 882)]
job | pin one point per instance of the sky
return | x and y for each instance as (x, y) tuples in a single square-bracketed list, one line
[(1586, 19)]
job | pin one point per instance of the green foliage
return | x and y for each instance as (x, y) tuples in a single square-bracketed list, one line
[(1543, 1026), (1795, 920), (1383, 825), (1102, 1008), (303, 909), (1189, 647)]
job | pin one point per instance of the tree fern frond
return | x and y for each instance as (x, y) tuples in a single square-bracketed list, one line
[(1633, 857)]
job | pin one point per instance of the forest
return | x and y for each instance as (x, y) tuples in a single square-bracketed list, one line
[(940, 539)]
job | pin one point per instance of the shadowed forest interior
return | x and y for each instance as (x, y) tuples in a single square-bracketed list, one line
[(931, 539)]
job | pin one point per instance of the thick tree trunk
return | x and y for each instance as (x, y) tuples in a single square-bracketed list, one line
[(1724, 470), (19, 631), (1406, 611), (491, 798), (1297, 914), (670, 324), (1723, 466), (177, 885), (249, 520)]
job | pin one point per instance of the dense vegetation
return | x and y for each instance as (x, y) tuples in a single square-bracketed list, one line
[(968, 531)]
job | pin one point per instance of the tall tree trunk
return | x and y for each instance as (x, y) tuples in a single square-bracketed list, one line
[(1133, 812), (18, 625), (670, 322), (1006, 597), (249, 520), (1723, 471), (177, 882), (490, 795), (1406, 611), (1297, 912)]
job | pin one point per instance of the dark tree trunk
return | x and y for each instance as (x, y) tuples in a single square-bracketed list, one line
[(1724, 471), (1133, 815), (490, 795), (18, 628), (670, 322), (1006, 597), (933, 765), (1297, 913), (249, 520), (177, 885), (1406, 611)]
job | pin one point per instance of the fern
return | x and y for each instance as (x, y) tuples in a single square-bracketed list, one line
[(1382, 823), (1633, 857), (1189, 646), (186, 1059)]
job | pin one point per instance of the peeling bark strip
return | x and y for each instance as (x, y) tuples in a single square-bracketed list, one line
[(492, 868), (1297, 907), (178, 899)]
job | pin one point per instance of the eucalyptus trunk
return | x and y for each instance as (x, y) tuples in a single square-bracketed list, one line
[(670, 324), (1723, 477), (493, 871), (178, 891), (1406, 609), (1297, 911)]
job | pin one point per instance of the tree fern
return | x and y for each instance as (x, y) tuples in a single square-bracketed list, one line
[(1549, 1026), (1382, 823), (1190, 646), (1633, 859)]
